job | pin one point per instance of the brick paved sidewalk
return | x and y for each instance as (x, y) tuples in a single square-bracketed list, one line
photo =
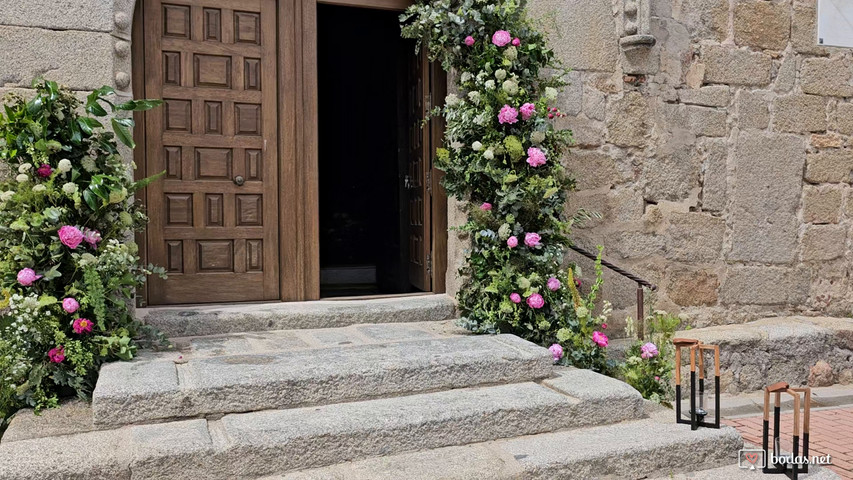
[(831, 433)]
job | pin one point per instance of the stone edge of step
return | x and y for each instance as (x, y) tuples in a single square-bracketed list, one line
[(130, 393), (210, 451), (223, 319), (499, 460)]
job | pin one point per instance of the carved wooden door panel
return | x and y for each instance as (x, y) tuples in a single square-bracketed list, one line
[(418, 178), (214, 217)]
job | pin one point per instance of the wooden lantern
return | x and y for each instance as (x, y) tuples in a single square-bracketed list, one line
[(697, 412), (792, 468)]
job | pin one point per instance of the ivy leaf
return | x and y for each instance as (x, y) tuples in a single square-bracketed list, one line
[(90, 200), (47, 300), (139, 105), (122, 128), (87, 124)]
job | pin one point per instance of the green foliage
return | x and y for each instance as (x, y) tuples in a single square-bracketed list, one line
[(65, 172), (490, 162), (652, 375)]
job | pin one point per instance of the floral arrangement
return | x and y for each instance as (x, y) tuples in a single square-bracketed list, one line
[(503, 158), (649, 365), (67, 267)]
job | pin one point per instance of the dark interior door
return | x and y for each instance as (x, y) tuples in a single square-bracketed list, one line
[(418, 178)]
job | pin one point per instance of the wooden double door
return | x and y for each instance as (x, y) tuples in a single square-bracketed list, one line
[(235, 217)]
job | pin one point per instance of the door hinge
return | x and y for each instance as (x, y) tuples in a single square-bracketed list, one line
[(429, 102), (429, 181), (429, 264)]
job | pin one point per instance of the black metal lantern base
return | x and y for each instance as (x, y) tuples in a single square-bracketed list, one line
[(697, 413), (790, 468)]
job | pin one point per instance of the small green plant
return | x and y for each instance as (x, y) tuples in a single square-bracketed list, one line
[(650, 363)]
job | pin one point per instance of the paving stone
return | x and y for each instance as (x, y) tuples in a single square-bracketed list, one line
[(130, 392), (645, 447), (393, 333), (471, 462), (88, 456), (74, 416), (321, 436), (220, 319)]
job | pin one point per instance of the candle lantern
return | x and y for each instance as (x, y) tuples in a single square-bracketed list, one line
[(698, 400), (786, 464)]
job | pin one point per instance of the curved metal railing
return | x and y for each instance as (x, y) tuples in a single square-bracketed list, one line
[(625, 273)]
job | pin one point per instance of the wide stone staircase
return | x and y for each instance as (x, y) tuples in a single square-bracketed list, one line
[(418, 400)]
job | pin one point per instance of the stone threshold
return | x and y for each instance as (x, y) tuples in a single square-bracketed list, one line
[(218, 319)]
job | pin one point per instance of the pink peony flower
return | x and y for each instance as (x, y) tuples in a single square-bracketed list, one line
[(501, 38), (512, 241), (554, 284), (600, 339), (657, 378), (27, 276), (516, 42), (70, 305), (508, 115), (557, 351), (486, 206), (535, 157), (92, 237), (532, 239), (56, 355), (536, 301), (82, 325), (604, 326), (70, 236), (469, 40), (527, 110), (44, 170), (650, 350), (516, 298)]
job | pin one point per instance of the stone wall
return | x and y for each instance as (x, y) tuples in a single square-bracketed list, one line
[(720, 158), (82, 44)]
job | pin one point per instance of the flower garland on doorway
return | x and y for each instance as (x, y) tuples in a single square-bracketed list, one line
[(503, 159)]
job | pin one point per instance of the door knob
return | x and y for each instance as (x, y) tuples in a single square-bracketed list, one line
[(239, 180)]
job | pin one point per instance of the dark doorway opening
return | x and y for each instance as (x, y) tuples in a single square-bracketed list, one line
[(363, 149)]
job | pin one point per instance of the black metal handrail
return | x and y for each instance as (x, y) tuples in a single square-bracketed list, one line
[(625, 273)]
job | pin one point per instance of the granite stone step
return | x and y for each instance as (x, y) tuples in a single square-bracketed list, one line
[(250, 445), (148, 390), (217, 319), (627, 450)]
